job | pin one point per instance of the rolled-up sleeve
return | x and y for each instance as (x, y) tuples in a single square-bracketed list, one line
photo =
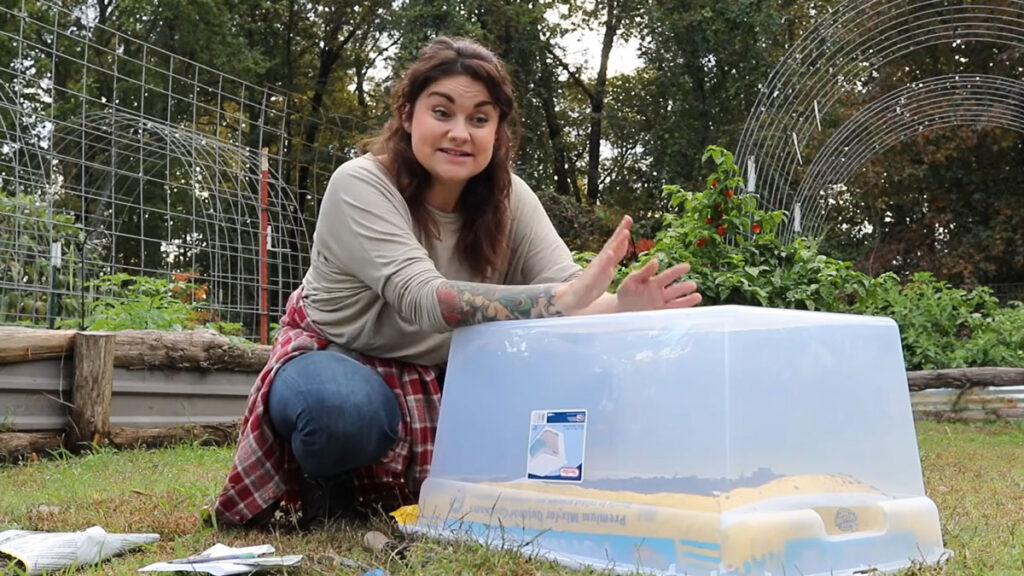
[(365, 228)]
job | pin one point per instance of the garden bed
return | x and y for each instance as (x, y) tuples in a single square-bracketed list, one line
[(166, 387)]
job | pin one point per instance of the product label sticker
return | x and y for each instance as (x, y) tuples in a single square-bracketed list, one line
[(557, 440)]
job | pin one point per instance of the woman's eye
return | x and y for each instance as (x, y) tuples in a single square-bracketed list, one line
[(481, 120), (440, 112)]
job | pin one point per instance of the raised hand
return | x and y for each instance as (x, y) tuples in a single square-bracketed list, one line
[(466, 303), (645, 289), (575, 296)]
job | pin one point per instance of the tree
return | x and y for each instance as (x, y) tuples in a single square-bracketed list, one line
[(342, 25), (617, 18), (708, 61)]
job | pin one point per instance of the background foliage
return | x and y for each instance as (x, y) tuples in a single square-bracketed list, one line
[(737, 259), (596, 134), (934, 219)]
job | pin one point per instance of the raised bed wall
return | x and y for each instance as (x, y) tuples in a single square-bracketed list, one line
[(169, 387)]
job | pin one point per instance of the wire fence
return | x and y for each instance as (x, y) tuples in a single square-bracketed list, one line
[(120, 158), (1008, 292), (117, 157)]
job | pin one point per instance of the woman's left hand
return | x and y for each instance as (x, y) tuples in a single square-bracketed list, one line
[(645, 289)]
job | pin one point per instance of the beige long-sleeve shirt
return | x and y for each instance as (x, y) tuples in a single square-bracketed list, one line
[(373, 279)]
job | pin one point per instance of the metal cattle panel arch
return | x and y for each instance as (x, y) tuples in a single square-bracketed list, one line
[(938, 102), (800, 152), (119, 157)]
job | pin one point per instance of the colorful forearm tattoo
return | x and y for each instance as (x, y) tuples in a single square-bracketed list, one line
[(464, 304)]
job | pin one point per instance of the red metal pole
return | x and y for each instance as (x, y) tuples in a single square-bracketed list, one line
[(264, 223)]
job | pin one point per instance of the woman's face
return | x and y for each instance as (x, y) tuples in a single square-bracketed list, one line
[(453, 125)]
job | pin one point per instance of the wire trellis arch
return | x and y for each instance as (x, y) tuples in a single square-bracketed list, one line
[(795, 145), (938, 102), (224, 206), (122, 157)]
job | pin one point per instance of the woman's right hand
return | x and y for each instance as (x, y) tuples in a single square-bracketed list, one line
[(575, 296)]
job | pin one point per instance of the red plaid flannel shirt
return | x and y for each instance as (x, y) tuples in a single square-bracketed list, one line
[(265, 473)]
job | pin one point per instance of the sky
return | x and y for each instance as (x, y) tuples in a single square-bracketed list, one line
[(580, 47), (583, 47)]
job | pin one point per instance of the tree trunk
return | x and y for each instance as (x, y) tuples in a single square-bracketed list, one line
[(961, 378), (611, 28), (361, 100), (194, 350), (18, 445), (698, 81), (564, 186), (27, 344), (977, 415), (328, 58)]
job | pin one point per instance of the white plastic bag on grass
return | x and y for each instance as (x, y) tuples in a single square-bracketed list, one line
[(39, 552)]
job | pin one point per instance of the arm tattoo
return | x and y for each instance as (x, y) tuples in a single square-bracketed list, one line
[(464, 304)]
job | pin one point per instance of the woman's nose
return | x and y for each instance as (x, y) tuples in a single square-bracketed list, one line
[(458, 131)]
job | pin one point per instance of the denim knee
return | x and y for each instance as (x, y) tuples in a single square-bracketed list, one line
[(337, 413)]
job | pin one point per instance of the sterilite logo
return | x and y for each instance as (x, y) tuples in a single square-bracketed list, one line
[(845, 520), (569, 472)]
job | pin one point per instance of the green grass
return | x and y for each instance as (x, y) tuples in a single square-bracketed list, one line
[(974, 473)]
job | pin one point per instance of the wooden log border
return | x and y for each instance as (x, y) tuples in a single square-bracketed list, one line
[(964, 378), (89, 424), (138, 349), (92, 389), (17, 446), (210, 351)]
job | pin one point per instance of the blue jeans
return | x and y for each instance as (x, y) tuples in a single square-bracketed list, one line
[(337, 413)]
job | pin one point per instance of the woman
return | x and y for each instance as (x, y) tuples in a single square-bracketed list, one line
[(427, 232)]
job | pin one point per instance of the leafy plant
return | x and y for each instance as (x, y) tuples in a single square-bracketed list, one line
[(737, 258), (125, 302), (947, 327), (736, 255), (138, 302), (581, 226), (226, 328), (28, 227)]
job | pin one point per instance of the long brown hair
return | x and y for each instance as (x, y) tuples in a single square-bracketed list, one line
[(484, 204)]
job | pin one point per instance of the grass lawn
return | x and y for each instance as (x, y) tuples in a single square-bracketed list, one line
[(974, 473)]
